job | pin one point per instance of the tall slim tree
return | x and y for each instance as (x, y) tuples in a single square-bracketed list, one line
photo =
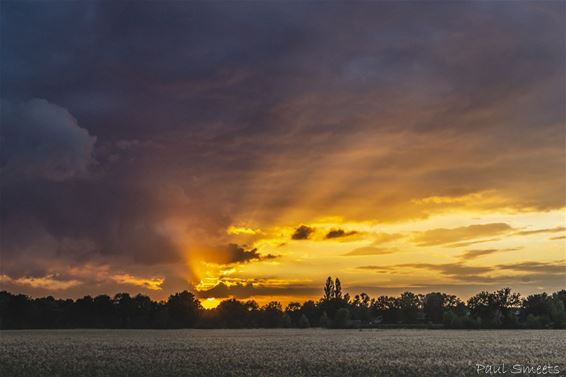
[(328, 289), (338, 289)]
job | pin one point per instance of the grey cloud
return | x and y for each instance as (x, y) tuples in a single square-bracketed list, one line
[(532, 271), (558, 267), (233, 254), (40, 140), (467, 289), (303, 232), (339, 233), (119, 218)]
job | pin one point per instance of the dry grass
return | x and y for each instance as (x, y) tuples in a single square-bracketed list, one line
[(272, 352)]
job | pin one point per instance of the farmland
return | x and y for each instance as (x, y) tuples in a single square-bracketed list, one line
[(283, 352)]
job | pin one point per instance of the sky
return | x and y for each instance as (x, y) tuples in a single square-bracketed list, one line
[(250, 150)]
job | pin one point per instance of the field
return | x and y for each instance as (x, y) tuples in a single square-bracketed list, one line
[(312, 352)]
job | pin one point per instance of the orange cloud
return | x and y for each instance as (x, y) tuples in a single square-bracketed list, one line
[(238, 230), (153, 284), (50, 282)]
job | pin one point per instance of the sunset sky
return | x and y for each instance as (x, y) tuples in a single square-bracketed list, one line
[(249, 150)]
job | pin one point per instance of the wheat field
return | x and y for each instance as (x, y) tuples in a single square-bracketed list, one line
[(283, 352)]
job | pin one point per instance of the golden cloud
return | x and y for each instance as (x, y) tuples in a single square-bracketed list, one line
[(370, 250), (443, 236), (50, 282), (238, 230), (153, 284)]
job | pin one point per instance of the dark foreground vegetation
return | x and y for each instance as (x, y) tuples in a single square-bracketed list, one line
[(499, 309)]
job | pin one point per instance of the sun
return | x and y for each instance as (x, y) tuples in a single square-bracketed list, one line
[(210, 303)]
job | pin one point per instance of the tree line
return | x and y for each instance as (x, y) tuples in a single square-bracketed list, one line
[(335, 309)]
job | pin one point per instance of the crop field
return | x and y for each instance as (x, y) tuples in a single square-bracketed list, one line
[(284, 352)]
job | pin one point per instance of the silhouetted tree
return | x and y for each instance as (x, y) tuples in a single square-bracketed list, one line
[(293, 310), (434, 307), (342, 318), (143, 310), (82, 313), (435, 304), (236, 314), (360, 307), (386, 308), (557, 311), (480, 307), (183, 309), (409, 305), (124, 309), (324, 321), (501, 308), (506, 305), (271, 315), (311, 310), (304, 322), (495, 309), (560, 295), (337, 290), (328, 289), (104, 311)]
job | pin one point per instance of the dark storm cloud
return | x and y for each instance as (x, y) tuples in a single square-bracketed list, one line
[(116, 218), (225, 86), (235, 64), (42, 140), (193, 57), (59, 204), (207, 111), (232, 254), (303, 232)]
